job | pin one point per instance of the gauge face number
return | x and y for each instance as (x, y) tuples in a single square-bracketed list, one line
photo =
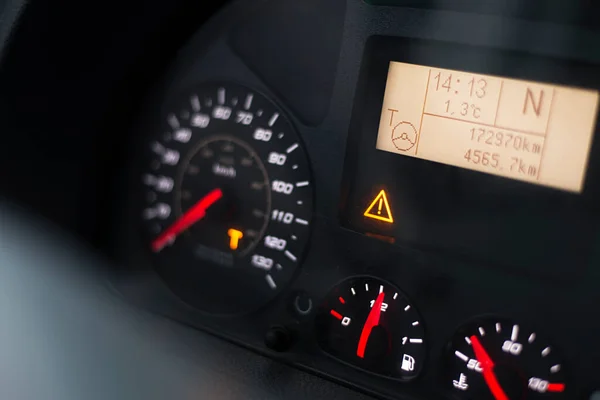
[(369, 324), (500, 360), (227, 198)]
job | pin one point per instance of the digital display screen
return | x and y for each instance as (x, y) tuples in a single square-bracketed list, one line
[(483, 157), (529, 131)]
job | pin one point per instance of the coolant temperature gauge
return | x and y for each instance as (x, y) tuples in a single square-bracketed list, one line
[(501, 360), (369, 324)]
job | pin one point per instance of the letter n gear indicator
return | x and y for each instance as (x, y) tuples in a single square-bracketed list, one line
[(379, 209)]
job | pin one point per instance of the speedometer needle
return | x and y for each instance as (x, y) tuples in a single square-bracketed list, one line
[(372, 321), (189, 218), (488, 369)]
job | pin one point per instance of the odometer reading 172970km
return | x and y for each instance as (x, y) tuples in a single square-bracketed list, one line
[(227, 198)]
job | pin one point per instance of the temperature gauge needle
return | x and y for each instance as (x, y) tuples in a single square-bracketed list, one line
[(189, 218), (488, 369), (372, 321)]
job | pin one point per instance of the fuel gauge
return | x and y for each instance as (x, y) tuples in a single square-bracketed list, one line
[(370, 324)]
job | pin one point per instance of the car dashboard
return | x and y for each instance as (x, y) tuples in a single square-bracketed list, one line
[(401, 198)]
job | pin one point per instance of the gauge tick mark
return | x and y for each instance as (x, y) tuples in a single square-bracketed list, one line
[(251, 233), (158, 148), (461, 356), (195, 103), (515, 333), (336, 314), (273, 119), (271, 282), (546, 351), (258, 213), (173, 121), (290, 255), (248, 102)]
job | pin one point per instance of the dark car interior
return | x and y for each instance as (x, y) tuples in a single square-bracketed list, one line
[(300, 199)]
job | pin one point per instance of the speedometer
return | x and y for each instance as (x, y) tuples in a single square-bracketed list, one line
[(228, 198)]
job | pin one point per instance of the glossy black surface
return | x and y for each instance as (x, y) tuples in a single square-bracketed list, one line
[(447, 288)]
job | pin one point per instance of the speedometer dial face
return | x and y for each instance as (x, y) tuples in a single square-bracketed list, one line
[(228, 198)]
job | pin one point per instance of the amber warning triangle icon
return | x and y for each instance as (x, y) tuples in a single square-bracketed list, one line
[(379, 209)]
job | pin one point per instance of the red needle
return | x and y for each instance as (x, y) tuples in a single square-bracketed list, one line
[(191, 216), (488, 369), (372, 321)]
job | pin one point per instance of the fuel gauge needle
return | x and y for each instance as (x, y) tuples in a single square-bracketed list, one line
[(372, 321), (189, 218)]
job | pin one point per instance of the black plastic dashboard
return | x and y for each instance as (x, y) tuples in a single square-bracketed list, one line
[(293, 92), (315, 62)]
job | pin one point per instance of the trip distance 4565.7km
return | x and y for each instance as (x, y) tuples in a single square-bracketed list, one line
[(514, 166)]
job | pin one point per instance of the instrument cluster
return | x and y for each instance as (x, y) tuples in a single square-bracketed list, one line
[(343, 239)]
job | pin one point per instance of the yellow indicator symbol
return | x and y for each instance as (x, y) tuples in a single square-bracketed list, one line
[(234, 238), (379, 209)]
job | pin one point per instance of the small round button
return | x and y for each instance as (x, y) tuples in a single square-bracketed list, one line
[(278, 338)]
